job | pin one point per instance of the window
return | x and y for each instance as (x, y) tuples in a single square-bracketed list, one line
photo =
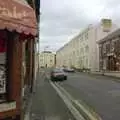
[(81, 38), (100, 51), (112, 47), (86, 61), (77, 52), (86, 49), (104, 48), (86, 36), (73, 52), (108, 47)]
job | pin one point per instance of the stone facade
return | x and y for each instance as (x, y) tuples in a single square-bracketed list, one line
[(82, 52), (109, 52), (47, 59)]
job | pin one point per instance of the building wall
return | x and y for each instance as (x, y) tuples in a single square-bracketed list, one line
[(97, 35), (110, 54), (82, 51), (47, 59), (76, 52)]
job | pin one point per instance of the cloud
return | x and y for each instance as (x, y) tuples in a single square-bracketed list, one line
[(54, 43), (62, 19)]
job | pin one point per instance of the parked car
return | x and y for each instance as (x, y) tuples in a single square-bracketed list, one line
[(42, 66), (69, 70), (58, 75)]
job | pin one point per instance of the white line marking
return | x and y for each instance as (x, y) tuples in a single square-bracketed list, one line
[(86, 111), (68, 103), (89, 114)]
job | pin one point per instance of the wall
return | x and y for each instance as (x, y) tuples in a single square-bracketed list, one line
[(97, 34), (74, 53), (82, 51), (47, 59)]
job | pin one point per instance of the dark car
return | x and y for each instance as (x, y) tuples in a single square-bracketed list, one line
[(58, 75)]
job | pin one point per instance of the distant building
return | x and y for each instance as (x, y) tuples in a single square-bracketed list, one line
[(82, 51), (47, 59)]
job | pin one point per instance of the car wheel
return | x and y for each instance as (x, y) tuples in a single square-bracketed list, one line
[(65, 78), (52, 79)]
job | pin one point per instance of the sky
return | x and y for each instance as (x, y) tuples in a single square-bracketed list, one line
[(61, 20)]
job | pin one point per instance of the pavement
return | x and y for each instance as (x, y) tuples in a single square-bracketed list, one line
[(100, 93), (46, 103)]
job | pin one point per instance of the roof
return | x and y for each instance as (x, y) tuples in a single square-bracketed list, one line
[(17, 16), (46, 52), (110, 36)]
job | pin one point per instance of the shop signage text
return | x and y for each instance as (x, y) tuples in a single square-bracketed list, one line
[(13, 13)]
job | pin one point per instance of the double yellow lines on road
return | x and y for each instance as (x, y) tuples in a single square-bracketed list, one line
[(78, 108)]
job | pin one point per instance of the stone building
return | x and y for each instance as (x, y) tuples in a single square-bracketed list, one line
[(82, 51), (47, 59), (109, 52)]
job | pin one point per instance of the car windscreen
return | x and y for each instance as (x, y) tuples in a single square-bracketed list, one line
[(57, 71)]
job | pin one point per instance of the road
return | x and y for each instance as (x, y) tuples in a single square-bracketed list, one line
[(100, 93), (46, 104)]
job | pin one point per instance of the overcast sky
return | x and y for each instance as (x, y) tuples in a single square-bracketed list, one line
[(63, 19)]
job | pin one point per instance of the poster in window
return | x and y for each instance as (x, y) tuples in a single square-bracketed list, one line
[(2, 65)]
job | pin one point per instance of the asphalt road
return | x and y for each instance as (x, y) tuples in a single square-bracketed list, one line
[(46, 104), (101, 93)]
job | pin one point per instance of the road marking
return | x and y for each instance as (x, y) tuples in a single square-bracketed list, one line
[(68, 103), (92, 115)]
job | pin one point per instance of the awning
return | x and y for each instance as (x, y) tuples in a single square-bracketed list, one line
[(15, 15)]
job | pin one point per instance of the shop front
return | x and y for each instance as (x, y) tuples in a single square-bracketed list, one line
[(18, 29), (109, 52)]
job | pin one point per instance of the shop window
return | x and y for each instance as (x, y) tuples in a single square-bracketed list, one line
[(3, 77)]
